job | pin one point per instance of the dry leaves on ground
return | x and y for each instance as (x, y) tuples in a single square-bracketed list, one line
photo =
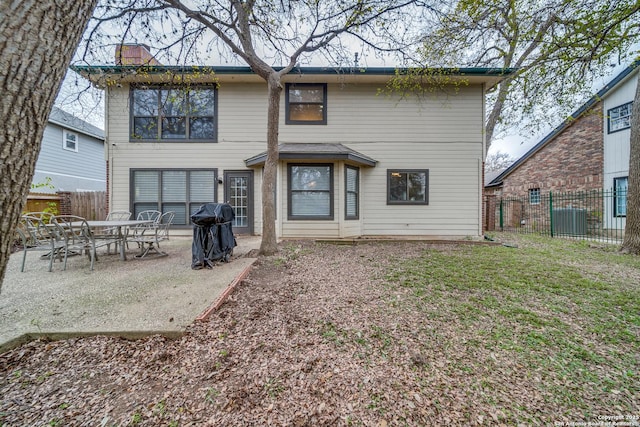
[(314, 336)]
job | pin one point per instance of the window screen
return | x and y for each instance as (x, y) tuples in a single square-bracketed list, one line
[(310, 192), (351, 192), (181, 191)]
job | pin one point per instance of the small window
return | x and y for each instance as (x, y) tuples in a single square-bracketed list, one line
[(620, 186), (310, 192), (351, 185), (69, 141), (619, 118), (408, 187), (306, 104), (534, 196)]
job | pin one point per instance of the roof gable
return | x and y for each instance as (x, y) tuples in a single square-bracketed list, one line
[(71, 122), (594, 100)]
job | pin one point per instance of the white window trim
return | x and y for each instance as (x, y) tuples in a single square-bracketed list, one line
[(64, 140), (616, 124), (534, 196), (618, 197)]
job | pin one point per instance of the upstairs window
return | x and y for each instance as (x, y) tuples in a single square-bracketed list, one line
[(619, 118), (306, 104), (408, 187), (534, 196), (174, 114), (69, 141)]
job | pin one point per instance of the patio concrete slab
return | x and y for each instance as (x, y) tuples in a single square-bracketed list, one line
[(132, 298)]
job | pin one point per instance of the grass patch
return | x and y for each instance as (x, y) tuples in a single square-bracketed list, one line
[(544, 310)]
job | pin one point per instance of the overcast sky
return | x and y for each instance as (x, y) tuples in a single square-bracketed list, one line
[(517, 145)]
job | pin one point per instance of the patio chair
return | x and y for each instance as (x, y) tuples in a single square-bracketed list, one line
[(149, 238), (77, 237), (149, 215), (36, 235), (110, 234), (44, 216)]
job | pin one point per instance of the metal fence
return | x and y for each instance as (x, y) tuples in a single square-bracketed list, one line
[(598, 214)]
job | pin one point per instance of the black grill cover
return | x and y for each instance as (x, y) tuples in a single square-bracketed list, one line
[(213, 213), (213, 237)]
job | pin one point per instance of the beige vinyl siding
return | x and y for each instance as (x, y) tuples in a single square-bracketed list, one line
[(441, 134), (454, 190), (357, 114), (241, 130), (616, 144), (242, 114)]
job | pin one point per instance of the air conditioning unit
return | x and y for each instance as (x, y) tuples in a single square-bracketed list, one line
[(570, 222)]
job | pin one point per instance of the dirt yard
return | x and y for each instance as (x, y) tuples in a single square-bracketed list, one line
[(317, 335)]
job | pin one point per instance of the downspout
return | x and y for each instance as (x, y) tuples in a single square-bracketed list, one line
[(481, 209), (108, 153)]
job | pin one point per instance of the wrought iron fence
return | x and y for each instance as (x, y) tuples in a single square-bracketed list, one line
[(597, 214)]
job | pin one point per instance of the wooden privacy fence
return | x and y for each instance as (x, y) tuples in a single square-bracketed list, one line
[(42, 202), (91, 205)]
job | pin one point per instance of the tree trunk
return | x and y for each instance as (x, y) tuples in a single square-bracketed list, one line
[(269, 245), (37, 41), (631, 243), (496, 112)]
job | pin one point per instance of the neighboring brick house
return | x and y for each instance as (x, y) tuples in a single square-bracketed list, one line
[(569, 159)]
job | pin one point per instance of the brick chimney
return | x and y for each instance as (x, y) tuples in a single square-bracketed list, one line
[(134, 54)]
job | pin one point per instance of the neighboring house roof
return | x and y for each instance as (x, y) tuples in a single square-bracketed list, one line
[(305, 151), (565, 124), (71, 122), (102, 74), (491, 175)]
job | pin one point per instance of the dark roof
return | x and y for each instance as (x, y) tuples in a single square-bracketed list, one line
[(314, 151), (71, 122), (491, 175), (104, 75), (179, 69), (566, 123)]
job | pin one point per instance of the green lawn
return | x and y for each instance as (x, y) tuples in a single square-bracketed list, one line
[(557, 317)]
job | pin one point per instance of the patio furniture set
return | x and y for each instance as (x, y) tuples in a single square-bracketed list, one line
[(61, 236)]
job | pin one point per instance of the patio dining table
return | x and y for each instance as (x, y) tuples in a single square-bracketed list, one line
[(119, 225)]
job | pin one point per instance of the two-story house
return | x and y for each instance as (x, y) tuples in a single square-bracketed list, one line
[(588, 151), (71, 155), (352, 162)]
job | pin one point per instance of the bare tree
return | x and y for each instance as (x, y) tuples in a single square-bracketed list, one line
[(498, 160), (556, 47), (271, 37), (37, 40)]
